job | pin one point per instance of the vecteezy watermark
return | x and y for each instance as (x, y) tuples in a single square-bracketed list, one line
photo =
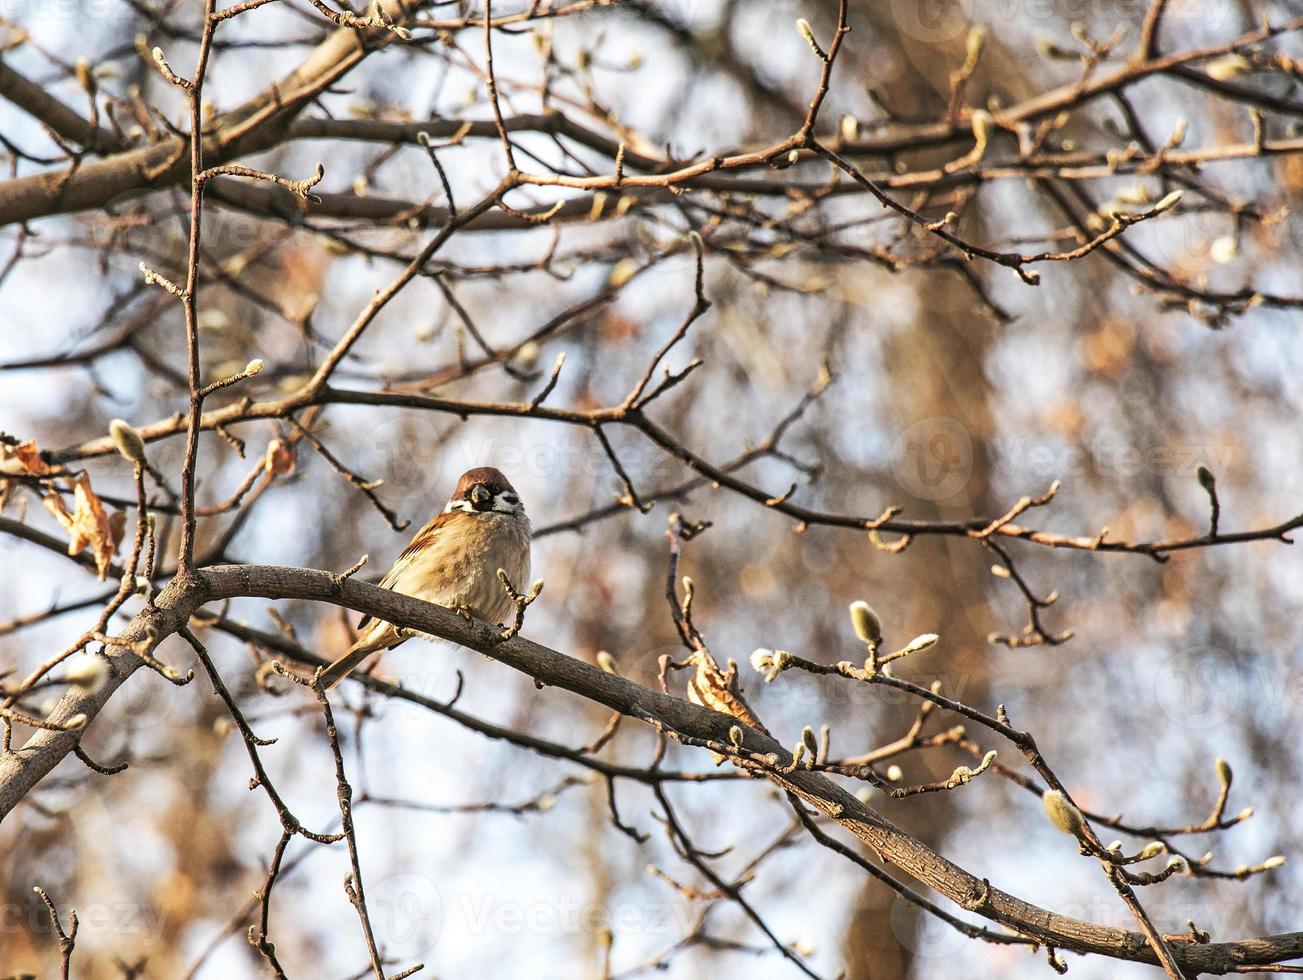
[(485, 914), (1205, 686), (131, 919), (1201, 687), (797, 690), (585, 458), (1021, 457), (407, 455), (922, 933), (933, 458), (406, 913), (940, 21), (28, 12), (138, 225), (409, 915)]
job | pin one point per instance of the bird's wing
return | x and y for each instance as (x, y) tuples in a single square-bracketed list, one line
[(423, 538)]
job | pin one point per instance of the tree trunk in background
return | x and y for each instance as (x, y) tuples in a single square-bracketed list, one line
[(936, 370)]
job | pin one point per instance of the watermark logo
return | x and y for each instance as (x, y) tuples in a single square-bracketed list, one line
[(406, 913), (407, 454), (933, 458), (922, 933), (1199, 687), (932, 21), (485, 914)]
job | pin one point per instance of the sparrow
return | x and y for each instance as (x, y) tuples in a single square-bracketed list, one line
[(453, 561)]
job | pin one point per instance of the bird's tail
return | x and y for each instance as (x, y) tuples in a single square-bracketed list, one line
[(352, 658)]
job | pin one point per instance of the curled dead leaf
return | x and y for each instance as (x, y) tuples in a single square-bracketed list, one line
[(719, 690), (88, 525)]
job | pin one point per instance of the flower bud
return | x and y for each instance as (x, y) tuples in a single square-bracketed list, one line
[(621, 273), (1063, 813), (1169, 202), (1225, 68), (808, 739), (924, 642), (86, 77), (868, 627), (86, 671), (1223, 767), (129, 441), (527, 354), (1223, 249)]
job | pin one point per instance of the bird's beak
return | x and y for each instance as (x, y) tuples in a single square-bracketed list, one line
[(481, 497)]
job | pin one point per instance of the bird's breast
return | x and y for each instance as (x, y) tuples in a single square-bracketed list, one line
[(459, 566)]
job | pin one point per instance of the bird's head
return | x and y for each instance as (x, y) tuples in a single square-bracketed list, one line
[(485, 490)]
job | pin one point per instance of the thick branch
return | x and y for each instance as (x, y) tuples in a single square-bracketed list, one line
[(36, 101)]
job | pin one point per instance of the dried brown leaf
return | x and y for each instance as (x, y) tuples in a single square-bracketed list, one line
[(713, 688), (281, 457), (88, 525), (27, 456)]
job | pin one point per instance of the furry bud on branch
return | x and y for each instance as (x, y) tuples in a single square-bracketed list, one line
[(924, 642), (128, 441), (867, 625), (1224, 771), (86, 671), (1169, 202), (1063, 813), (803, 28)]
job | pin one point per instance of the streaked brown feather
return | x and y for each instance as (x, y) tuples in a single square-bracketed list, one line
[(423, 538)]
